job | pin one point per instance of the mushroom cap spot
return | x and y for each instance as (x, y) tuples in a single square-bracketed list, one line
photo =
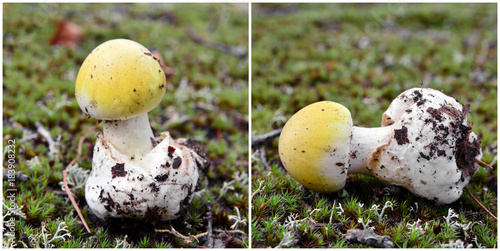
[(119, 80), (313, 143)]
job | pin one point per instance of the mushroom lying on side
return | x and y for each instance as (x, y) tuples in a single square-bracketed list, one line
[(424, 145), (133, 174)]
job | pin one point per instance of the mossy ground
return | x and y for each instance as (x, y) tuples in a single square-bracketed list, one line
[(211, 107), (363, 56)]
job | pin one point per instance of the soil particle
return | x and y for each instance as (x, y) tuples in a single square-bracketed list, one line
[(171, 151), (418, 96), (435, 113), (166, 165), (154, 187), (110, 205), (153, 142), (177, 162), (185, 202), (450, 110), (153, 215), (424, 156), (442, 132), (193, 145), (353, 154), (118, 170), (465, 111), (466, 152), (161, 178), (199, 154), (401, 135)]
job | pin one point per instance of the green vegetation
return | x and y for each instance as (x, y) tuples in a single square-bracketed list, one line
[(363, 56), (207, 101)]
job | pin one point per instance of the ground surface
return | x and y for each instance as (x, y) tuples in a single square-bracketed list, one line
[(204, 47), (363, 56)]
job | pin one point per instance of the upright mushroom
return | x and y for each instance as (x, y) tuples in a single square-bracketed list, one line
[(424, 145), (134, 175)]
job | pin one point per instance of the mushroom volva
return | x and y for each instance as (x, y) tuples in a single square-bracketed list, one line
[(134, 174), (425, 144)]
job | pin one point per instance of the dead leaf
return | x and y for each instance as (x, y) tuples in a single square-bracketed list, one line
[(169, 72), (67, 34)]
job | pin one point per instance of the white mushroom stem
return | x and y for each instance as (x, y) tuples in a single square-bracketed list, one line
[(364, 142), (132, 137)]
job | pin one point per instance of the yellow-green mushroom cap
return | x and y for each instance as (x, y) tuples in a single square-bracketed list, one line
[(314, 146), (118, 80)]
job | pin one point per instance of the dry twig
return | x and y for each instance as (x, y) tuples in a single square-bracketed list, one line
[(191, 238), (268, 136), (477, 201), (186, 239), (484, 164), (66, 187)]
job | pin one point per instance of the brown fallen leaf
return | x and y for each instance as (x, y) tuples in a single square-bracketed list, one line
[(169, 72), (67, 34)]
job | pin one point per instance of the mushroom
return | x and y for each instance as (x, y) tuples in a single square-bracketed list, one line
[(424, 145), (134, 174)]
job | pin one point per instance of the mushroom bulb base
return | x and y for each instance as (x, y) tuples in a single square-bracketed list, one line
[(431, 149), (424, 145), (154, 187)]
